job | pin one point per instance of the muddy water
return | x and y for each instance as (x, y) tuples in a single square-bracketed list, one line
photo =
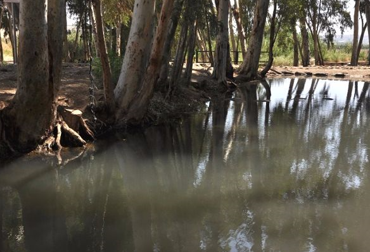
[(244, 174)]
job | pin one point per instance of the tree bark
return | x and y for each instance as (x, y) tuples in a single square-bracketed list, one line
[(295, 43), (211, 59), (75, 46), (272, 41), (180, 55), (170, 37), (11, 31), (367, 12), (232, 38), (136, 55), (1, 51), (355, 34), (30, 117), (190, 52), (140, 105), (1, 44), (66, 53), (251, 61), (219, 72), (359, 47), (107, 73), (114, 41), (241, 34), (305, 41)]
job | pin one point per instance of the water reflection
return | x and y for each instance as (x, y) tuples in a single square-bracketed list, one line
[(248, 173)]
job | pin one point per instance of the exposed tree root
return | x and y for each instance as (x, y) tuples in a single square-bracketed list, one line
[(70, 130)]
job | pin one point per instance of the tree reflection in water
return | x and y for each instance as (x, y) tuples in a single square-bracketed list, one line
[(247, 173)]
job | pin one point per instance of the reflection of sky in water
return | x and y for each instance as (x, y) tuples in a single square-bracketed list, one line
[(294, 179)]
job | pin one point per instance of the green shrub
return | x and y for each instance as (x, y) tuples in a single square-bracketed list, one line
[(115, 64)]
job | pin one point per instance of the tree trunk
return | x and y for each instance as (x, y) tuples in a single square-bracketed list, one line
[(305, 41), (31, 115), (355, 34), (364, 27), (295, 43), (84, 40), (107, 73), (1, 51), (94, 32), (180, 55), (251, 61), (170, 37), (316, 39), (114, 40), (367, 12), (241, 34), (75, 46), (124, 37), (232, 39), (190, 52), (272, 41), (66, 54), (219, 72), (211, 59), (140, 105), (135, 60), (11, 31), (1, 43)]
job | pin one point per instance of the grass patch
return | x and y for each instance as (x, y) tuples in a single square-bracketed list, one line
[(7, 49)]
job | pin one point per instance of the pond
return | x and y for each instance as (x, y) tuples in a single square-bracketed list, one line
[(244, 174)]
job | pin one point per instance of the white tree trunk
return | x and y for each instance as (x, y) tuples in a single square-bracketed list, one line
[(251, 60), (140, 104), (136, 56)]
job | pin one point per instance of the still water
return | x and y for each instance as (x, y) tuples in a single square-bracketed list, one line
[(244, 174)]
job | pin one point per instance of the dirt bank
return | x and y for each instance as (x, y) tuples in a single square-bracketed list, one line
[(74, 90)]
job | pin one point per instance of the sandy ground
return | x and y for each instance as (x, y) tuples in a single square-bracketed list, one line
[(74, 90), (355, 73)]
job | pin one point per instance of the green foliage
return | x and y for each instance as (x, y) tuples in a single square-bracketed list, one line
[(116, 12), (115, 63), (79, 53), (247, 9)]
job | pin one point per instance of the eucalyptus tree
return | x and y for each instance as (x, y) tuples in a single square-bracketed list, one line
[(81, 10), (246, 14), (165, 61), (237, 13), (355, 45), (30, 117), (275, 23), (107, 72), (322, 15), (249, 66), (117, 15), (222, 44), (1, 22), (360, 8), (141, 64), (185, 44), (367, 12), (364, 26)]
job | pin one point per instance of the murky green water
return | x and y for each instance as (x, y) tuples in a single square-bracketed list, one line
[(242, 175)]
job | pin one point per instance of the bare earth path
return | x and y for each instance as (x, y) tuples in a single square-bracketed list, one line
[(74, 91)]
